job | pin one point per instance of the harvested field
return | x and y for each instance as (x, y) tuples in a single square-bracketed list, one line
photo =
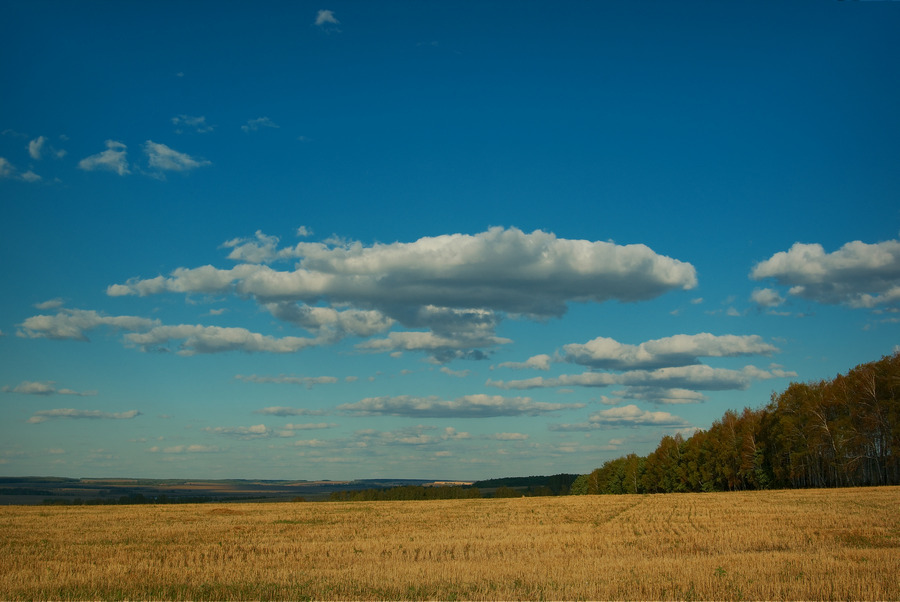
[(810, 544)]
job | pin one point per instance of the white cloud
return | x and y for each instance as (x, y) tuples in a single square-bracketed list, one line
[(624, 416), (8, 170), (306, 381), (537, 362), (44, 388), (857, 275), (441, 348), (695, 378), (45, 415), (662, 395), (185, 449), (73, 323), (36, 147), (197, 124), (455, 373), (310, 426), (286, 411), (254, 125), (468, 406), (215, 339), (509, 436), (49, 304), (164, 158), (419, 435), (498, 270), (112, 159), (262, 250), (457, 287), (678, 350), (257, 431), (766, 297), (151, 335), (326, 17), (331, 324)]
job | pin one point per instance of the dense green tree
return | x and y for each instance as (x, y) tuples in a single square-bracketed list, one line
[(842, 432)]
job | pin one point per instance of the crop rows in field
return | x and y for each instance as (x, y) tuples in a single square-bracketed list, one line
[(810, 544)]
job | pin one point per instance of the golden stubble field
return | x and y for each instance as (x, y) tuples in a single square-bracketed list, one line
[(811, 545)]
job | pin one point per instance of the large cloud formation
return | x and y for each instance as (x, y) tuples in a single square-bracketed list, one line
[(666, 370), (454, 288), (857, 275)]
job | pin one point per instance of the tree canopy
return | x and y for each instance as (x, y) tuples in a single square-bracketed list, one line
[(838, 433)]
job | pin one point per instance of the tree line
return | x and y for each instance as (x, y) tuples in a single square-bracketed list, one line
[(406, 492), (842, 432)]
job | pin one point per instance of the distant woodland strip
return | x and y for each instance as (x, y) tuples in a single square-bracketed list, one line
[(843, 432)]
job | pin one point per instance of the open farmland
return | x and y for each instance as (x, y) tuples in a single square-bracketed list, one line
[(809, 544)]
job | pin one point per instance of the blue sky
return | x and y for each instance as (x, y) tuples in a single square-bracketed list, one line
[(295, 240)]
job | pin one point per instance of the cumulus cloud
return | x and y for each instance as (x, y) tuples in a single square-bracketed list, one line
[(695, 378), (254, 125), (47, 387), (457, 287), (161, 157), (857, 275), (624, 416), (74, 323), (537, 362), (499, 270), (215, 339), (766, 297), (662, 395), (329, 323), (45, 415), (678, 350), (468, 406), (441, 348), (306, 381), (152, 335), (112, 159)]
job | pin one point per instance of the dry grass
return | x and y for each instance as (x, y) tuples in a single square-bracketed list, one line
[(818, 544)]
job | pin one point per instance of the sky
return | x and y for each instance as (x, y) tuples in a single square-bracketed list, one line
[(450, 240)]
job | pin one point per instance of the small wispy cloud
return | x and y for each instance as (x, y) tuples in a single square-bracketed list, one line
[(185, 449), (70, 413), (50, 304), (287, 411), (326, 19), (47, 387), (9, 171), (195, 123), (165, 158), (306, 381), (114, 158), (254, 125)]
